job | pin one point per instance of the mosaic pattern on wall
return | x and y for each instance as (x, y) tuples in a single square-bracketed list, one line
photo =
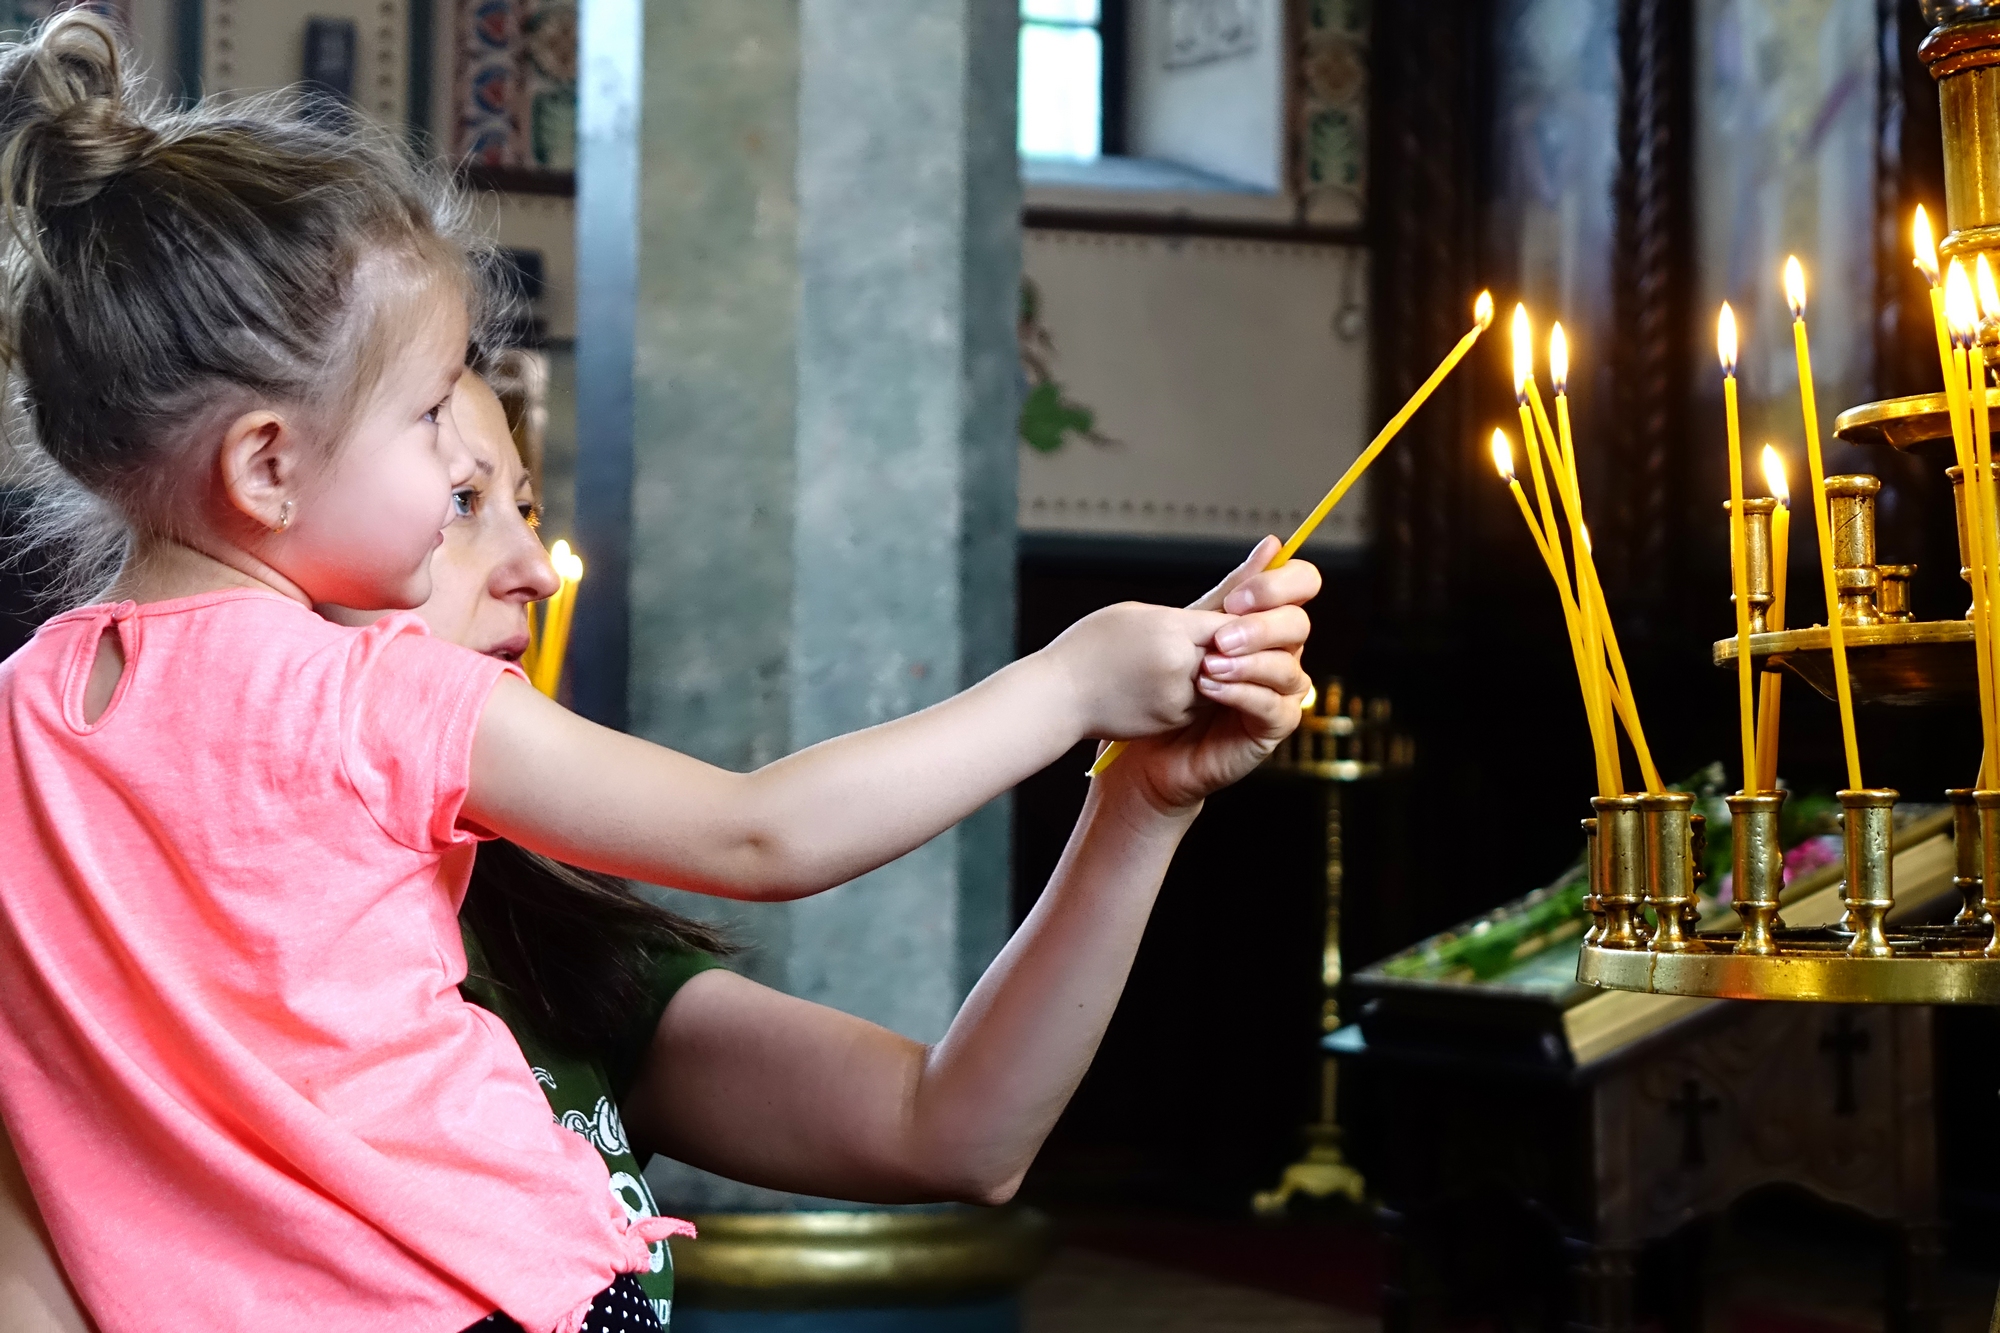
[(1330, 130), (514, 85)]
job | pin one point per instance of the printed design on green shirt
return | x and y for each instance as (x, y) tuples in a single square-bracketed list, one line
[(596, 1121)]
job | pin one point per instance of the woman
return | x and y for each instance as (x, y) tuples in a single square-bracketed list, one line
[(705, 1065)]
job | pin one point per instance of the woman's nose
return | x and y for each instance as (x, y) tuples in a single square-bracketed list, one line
[(527, 574)]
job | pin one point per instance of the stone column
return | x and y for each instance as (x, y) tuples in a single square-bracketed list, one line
[(821, 435)]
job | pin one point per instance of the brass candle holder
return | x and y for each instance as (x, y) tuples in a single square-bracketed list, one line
[(1756, 559), (1892, 659), (1870, 888), (1892, 596), (1957, 475), (1987, 804), (1758, 869), (1621, 870), (1592, 902), (1669, 845), (1850, 501), (1968, 875)]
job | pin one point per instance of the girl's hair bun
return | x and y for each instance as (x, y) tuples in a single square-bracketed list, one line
[(69, 117)]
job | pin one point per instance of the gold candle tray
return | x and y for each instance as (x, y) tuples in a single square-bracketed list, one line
[(1911, 662), (1928, 965), (1904, 423), (1814, 959)]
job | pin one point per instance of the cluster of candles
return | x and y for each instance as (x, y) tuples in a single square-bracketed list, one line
[(1593, 641), (1958, 317), (548, 634), (1607, 692), (1959, 314)]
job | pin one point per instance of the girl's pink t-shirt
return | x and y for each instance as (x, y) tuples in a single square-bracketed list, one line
[(233, 1055)]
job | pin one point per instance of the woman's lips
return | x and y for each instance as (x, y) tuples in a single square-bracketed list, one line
[(509, 650)]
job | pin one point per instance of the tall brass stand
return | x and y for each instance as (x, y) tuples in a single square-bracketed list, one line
[(1340, 741)]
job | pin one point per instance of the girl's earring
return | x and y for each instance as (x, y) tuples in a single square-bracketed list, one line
[(284, 517)]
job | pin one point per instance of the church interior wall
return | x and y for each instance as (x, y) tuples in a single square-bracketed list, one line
[(1222, 309)]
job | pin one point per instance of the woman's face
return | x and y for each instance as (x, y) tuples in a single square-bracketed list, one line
[(491, 564)]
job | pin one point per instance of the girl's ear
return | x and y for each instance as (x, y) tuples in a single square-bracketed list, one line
[(262, 464)]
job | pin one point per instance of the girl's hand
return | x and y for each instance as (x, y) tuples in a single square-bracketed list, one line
[(1130, 669), (1251, 679)]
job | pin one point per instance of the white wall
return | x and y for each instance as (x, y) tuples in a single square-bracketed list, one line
[(249, 45), (1225, 116), (1215, 369)]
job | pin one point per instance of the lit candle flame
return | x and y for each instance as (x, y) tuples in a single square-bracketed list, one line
[(1482, 311), (1774, 477), (1725, 339), (1524, 353), (1925, 246), (1558, 359), (1503, 455), (1312, 697), (1960, 311), (1795, 287), (567, 563)]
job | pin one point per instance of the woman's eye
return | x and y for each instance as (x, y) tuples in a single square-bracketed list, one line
[(464, 502), (531, 515), (436, 408)]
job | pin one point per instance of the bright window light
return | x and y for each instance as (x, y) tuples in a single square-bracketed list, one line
[(1062, 78)]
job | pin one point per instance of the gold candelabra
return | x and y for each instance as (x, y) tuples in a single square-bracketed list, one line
[(1642, 854), (1342, 740)]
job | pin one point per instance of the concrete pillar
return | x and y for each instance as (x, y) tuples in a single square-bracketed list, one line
[(822, 261)]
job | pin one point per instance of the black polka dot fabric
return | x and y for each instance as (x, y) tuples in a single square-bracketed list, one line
[(621, 1307)]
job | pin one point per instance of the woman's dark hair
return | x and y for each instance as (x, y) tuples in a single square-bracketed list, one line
[(163, 269), (575, 949)]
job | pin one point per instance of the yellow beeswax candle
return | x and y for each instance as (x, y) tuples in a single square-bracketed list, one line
[(1969, 367), (556, 617), (1962, 319), (1795, 298), (1482, 319), (1725, 349), (1503, 463), (1770, 696), (1540, 442), (1601, 636)]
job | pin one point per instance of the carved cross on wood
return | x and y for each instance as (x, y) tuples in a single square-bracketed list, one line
[(1843, 1044), (1691, 1106)]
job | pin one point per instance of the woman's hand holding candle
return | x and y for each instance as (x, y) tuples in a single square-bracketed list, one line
[(1795, 297), (1725, 347)]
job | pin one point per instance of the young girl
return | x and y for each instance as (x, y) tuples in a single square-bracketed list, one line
[(229, 1021)]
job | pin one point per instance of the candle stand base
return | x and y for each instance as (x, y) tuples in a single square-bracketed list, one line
[(1926, 965)]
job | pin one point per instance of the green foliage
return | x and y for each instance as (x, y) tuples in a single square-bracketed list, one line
[(1048, 420)]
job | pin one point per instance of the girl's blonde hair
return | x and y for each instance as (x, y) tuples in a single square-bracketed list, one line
[(163, 269)]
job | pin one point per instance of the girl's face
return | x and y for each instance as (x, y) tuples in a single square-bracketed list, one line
[(367, 524), (491, 564)]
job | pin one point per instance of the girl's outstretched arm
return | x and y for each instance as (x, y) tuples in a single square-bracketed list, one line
[(796, 1096), (558, 784)]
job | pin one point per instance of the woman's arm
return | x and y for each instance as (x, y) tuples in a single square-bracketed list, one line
[(777, 1091), (34, 1295), (560, 785), (773, 1090)]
